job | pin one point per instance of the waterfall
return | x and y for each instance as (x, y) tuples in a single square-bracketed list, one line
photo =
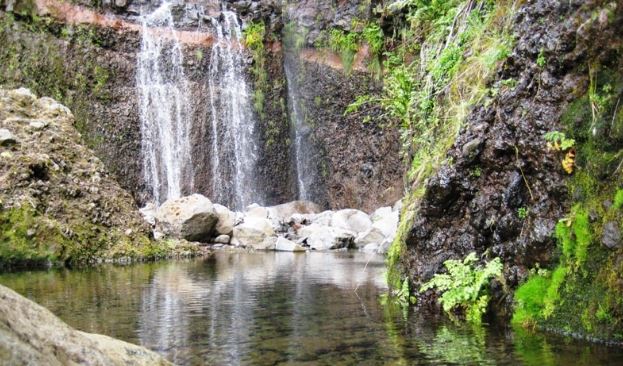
[(300, 129), (164, 109), (233, 125)]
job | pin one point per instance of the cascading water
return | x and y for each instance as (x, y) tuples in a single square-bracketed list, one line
[(305, 153), (234, 141), (300, 130), (165, 114)]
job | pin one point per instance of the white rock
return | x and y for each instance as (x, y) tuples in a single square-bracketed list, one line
[(381, 213), (323, 218), (284, 211), (320, 237), (256, 211), (149, 213), (384, 247), (388, 225), (253, 231), (191, 218), (370, 236), (226, 220), (285, 245), (352, 220), (7, 138), (38, 124), (222, 239)]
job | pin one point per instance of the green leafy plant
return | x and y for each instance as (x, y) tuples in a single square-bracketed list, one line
[(464, 287), (558, 141), (618, 199), (346, 45), (540, 60), (522, 213)]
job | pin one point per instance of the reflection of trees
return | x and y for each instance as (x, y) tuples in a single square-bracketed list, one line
[(458, 345), (104, 299)]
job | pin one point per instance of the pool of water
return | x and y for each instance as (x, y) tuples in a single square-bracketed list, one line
[(281, 308)]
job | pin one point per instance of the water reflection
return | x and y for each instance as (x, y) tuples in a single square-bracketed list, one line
[(280, 308)]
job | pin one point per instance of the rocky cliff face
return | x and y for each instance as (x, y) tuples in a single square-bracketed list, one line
[(505, 192), (86, 55)]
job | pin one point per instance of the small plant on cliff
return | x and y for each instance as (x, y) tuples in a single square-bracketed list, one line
[(540, 60), (464, 287), (346, 44), (558, 141), (522, 213), (254, 36)]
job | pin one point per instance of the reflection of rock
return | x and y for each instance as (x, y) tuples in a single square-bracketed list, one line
[(30, 334), (191, 218)]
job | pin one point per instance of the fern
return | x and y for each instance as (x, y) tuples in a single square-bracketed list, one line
[(464, 286)]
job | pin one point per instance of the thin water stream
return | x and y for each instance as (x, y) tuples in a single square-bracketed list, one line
[(281, 309), (164, 108)]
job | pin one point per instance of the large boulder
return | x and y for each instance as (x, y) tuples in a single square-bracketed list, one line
[(254, 232), (226, 220), (351, 220), (32, 335), (370, 236), (386, 221), (256, 211), (323, 218), (285, 211), (320, 237), (191, 218)]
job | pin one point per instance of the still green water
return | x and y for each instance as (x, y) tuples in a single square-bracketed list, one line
[(281, 308)]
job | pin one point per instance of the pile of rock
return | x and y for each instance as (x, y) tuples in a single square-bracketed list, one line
[(294, 226)]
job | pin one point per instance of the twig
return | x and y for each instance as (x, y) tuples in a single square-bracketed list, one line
[(363, 272), (522, 174)]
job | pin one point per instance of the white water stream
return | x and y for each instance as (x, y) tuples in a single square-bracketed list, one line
[(165, 112), (233, 124)]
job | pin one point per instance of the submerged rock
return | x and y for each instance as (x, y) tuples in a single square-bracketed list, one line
[(191, 218), (32, 335)]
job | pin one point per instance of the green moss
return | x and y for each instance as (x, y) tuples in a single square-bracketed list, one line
[(530, 300), (27, 240), (618, 199), (552, 295), (584, 294), (254, 38)]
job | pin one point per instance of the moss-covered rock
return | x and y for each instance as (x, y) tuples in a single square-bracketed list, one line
[(58, 204)]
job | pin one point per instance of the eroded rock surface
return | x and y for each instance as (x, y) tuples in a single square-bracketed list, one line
[(32, 335)]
